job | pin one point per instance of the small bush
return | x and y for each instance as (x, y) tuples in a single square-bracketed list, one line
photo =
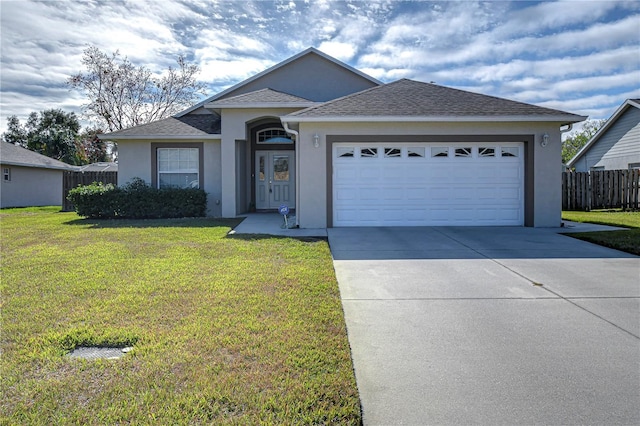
[(137, 200)]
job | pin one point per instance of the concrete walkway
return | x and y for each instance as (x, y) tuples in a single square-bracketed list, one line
[(489, 326), (273, 224)]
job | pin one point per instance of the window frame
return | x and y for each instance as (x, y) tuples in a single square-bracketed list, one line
[(155, 182), (6, 174)]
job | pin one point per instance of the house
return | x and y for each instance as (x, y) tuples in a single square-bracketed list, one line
[(103, 166), (616, 146), (344, 149), (29, 178)]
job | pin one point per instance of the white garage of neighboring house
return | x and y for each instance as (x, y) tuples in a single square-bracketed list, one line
[(344, 149), (29, 178)]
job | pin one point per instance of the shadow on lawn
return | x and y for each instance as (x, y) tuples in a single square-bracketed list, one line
[(194, 222)]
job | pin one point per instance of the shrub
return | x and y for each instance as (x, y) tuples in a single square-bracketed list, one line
[(137, 200)]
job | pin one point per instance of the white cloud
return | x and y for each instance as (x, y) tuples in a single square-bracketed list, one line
[(580, 56)]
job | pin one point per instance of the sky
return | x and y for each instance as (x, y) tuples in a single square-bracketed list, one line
[(577, 56)]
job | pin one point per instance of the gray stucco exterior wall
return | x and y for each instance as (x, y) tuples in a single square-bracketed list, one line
[(30, 186)]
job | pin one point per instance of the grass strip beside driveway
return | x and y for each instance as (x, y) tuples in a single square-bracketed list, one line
[(225, 330), (627, 241)]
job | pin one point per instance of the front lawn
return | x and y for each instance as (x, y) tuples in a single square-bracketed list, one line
[(224, 330), (628, 241)]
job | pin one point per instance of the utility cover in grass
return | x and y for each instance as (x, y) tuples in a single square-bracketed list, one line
[(93, 353)]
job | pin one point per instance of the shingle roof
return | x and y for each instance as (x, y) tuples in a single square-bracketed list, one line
[(14, 155), (189, 125), (409, 98), (99, 167), (261, 96)]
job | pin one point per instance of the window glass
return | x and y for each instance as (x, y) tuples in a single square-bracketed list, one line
[(368, 152), (281, 167), (6, 174), (345, 152), (392, 152), (415, 152), (441, 151), (463, 152), (273, 135), (486, 152), (178, 167), (261, 168), (510, 151)]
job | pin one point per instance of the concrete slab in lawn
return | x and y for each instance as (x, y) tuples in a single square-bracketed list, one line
[(489, 326)]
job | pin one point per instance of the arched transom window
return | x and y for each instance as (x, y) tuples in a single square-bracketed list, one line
[(273, 135)]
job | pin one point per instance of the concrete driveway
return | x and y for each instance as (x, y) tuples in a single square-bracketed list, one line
[(489, 326)]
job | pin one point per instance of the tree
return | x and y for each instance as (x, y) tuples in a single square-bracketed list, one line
[(52, 132), (92, 149), (577, 139), (121, 95)]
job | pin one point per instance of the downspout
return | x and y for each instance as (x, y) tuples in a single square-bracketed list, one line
[(296, 134)]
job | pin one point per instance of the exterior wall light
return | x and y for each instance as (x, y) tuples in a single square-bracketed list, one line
[(316, 140), (545, 140)]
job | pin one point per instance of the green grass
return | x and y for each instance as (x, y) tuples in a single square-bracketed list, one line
[(225, 330), (628, 240)]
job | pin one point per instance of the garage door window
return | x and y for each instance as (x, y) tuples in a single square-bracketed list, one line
[(463, 152), (510, 151), (392, 152), (345, 152), (369, 152), (417, 152), (486, 152), (439, 151)]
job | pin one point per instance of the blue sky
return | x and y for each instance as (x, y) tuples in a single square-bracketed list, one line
[(577, 56)]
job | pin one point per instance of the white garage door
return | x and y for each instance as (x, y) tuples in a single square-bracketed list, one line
[(428, 184)]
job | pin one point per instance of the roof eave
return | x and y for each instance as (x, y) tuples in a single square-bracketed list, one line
[(38, 166), (111, 137), (564, 119), (270, 105)]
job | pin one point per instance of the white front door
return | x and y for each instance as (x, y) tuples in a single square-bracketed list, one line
[(275, 179)]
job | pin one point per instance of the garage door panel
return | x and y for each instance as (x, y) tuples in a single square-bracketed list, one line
[(425, 190)]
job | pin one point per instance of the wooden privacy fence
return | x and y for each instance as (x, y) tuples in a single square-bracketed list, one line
[(602, 189), (72, 179)]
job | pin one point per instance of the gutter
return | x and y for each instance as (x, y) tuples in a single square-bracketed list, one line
[(296, 134)]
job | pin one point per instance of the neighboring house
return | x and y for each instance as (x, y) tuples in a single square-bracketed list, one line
[(29, 178), (344, 149), (616, 146), (99, 167)]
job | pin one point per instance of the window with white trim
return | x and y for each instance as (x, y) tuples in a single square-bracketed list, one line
[(510, 151), (417, 151), (345, 152), (486, 152), (368, 152), (439, 151), (6, 174), (273, 135), (178, 168), (392, 152), (463, 152), (634, 166)]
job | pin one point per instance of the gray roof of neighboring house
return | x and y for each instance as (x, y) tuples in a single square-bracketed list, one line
[(261, 96), (409, 98), (14, 155), (99, 167), (193, 125)]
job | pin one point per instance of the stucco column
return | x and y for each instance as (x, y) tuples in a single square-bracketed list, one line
[(228, 159)]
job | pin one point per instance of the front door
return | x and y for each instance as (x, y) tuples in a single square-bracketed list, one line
[(275, 179)]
